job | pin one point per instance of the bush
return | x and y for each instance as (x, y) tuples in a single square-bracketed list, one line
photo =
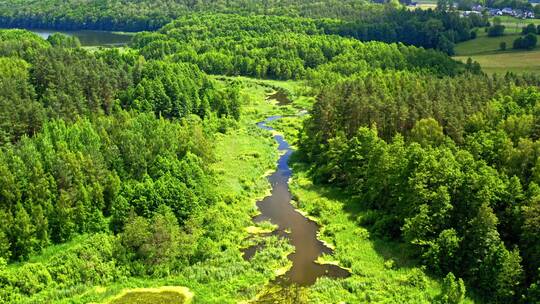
[(453, 292), (153, 242), (529, 29), (533, 292), (502, 46), (474, 34), (496, 30), (528, 42), (417, 278), (32, 278), (389, 264), (90, 262)]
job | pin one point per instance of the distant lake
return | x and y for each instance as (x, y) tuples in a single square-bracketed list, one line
[(91, 38)]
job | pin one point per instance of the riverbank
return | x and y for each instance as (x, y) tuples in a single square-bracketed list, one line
[(381, 270), (244, 156)]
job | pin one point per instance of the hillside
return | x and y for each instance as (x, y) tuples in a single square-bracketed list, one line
[(486, 50)]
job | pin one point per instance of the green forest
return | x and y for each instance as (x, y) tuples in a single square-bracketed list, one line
[(136, 173)]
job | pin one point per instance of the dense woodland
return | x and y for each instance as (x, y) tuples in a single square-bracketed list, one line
[(280, 48), (130, 15), (390, 23), (116, 145), (447, 165), (92, 142)]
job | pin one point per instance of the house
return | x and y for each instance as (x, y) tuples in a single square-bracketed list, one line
[(478, 8), (507, 11), (495, 12), (468, 13)]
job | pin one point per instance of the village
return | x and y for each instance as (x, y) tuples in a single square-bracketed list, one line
[(506, 11), (490, 11)]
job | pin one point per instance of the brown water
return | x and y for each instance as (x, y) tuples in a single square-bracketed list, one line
[(301, 231)]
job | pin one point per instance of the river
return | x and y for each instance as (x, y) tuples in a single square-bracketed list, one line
[(301, 232)]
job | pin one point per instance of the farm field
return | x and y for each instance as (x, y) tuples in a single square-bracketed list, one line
[(511, 61), (514, 25), (486, 50), (484, 45), (425, 4)]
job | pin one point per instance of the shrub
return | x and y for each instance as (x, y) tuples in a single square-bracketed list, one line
[(502, 46), (496, 30), (389, 264), (417, 278), (32, 278), (528, 42), (453, 292), (529, 29), (90, 262)]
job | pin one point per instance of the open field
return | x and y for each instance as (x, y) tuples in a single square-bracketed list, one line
[(484, 45), (500, 63), (486, 51), (514, 25)]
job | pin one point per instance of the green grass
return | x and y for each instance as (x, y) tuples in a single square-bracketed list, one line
[(382, 271), (425, 4), (150, 297), (290, 128), (500, 63), (163, 295), (486, 51), (514, 25), (484, 45)]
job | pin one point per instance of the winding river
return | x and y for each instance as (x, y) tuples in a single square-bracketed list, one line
[(301, 232)]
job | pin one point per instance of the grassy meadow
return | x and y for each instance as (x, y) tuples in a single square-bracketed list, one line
[(514, 25), (486, 50), (500, 63), (425, 4), (172, 295)]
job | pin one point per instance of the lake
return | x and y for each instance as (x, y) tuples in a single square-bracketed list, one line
[(92, 38)]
